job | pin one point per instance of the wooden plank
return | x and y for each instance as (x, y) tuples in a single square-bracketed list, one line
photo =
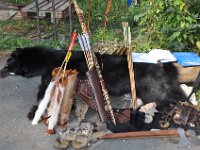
[(41, 5), (6, 14), (59, 15), (32, 5), (58, 6), (142, 134), (46, 7), (17, 16), (64, 6)]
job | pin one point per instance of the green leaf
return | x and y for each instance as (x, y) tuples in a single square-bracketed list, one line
[(174, 36)]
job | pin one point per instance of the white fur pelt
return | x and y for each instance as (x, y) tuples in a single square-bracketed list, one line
[(57, 101), (43, 104)]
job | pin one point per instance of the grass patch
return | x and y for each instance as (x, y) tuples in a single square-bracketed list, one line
[(21, 33), (17, 33)]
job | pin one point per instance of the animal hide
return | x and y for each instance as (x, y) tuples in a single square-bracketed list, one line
[(57, 101), (43, 104), (153, 83), (67, 99)]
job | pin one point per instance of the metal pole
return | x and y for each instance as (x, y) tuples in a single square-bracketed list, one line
[(70, 17), (38, 19), (54, 18)]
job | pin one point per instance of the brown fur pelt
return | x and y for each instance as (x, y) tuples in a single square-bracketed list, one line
[(67, 99), (70, 77)]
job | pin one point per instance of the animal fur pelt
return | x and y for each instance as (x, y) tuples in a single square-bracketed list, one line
[(43, 104), (58, 96), (153, 82), (67, 100)]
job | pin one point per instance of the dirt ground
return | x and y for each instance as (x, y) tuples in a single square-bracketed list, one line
[(17, 94)]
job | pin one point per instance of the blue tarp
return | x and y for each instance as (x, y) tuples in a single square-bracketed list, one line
[(187, 59), (129, 2)]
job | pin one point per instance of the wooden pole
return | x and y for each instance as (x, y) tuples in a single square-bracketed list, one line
[(106, 14), (127, 40), (142, 134), (131, 72)]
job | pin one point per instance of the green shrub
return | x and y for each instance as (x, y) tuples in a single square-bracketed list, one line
[(165, 24)]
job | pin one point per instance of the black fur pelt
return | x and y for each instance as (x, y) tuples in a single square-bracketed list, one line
[(153, 82)]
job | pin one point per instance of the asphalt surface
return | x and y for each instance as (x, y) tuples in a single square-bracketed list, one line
[(17, 94)]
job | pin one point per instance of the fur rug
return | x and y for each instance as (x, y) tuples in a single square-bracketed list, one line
[(153, 82)]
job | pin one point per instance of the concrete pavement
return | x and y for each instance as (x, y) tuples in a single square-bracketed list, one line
[(17, 94)]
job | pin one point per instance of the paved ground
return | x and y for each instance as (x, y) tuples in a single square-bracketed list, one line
[(17, 94)]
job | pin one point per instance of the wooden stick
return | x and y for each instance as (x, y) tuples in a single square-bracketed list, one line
[(127, 40), (132, 78), (142, 134), (106, 14)]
